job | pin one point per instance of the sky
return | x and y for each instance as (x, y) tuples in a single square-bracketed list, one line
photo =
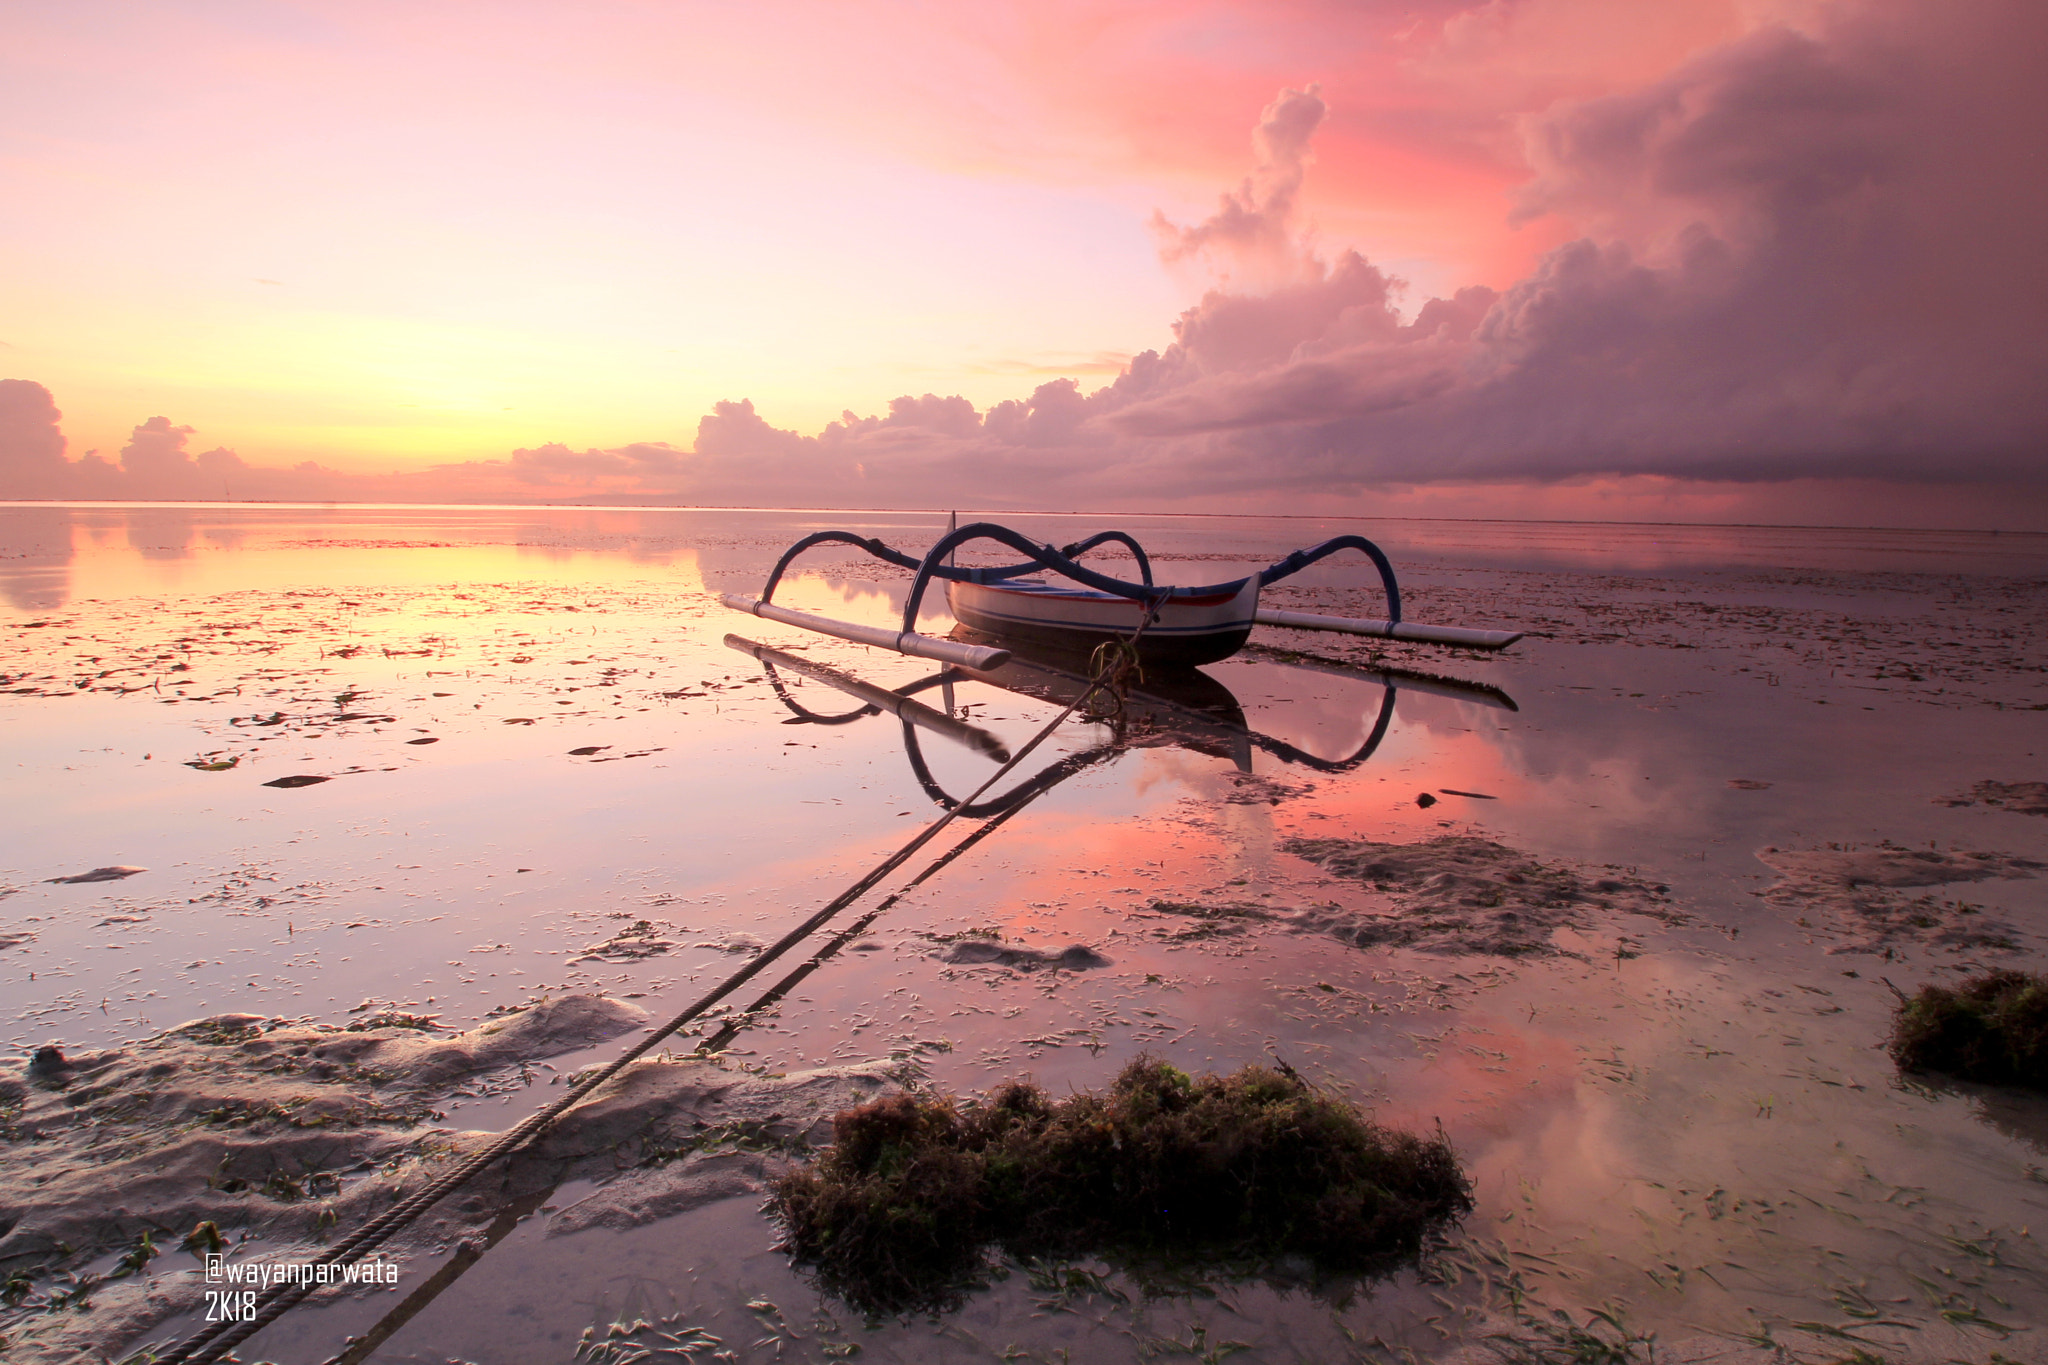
[(1760, 260)]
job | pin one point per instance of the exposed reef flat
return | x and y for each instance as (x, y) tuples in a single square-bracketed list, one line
[(2022, 798), (1863, 895), (274, 1131), (1451, 894), (981, 952)]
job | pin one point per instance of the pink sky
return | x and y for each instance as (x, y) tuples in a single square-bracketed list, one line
[(1757, 260)]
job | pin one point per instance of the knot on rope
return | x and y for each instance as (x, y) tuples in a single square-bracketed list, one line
[(1116, 667)]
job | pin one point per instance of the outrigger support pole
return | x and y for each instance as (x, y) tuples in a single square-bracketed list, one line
[(1390, 630), (902, 641), (877, 699)]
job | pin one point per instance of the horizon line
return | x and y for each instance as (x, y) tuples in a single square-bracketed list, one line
[(1025, 512)]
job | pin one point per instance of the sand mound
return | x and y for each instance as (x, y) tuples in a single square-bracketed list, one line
[(236, 1119), (1861, 892), (1213, 919), (1452, 894), (1247, 789), (2023, 798), (275, 1131), (982, 952), (98, 874), (640, 939), (694, 1132)]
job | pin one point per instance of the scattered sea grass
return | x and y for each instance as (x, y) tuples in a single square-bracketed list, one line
[(1991, 1028), (1164, 1168)]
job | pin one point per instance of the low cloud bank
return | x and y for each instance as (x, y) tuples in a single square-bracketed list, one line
[(155, 465), (1809, 254)]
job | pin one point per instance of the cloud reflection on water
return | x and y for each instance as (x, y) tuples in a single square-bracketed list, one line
[(35, 558)]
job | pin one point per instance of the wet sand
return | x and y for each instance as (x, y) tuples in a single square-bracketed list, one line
[(1632, 954)]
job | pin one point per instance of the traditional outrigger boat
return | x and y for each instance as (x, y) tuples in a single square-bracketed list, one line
[(1016, 606)]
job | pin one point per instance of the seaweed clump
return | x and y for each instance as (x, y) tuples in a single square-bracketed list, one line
[(1991, 1028), (899, 1214)]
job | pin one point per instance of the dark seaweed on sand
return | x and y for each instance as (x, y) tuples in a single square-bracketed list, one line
[(1991, 1028), (899, 1213)]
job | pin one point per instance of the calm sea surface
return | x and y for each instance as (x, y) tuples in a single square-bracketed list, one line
[(535, 733)]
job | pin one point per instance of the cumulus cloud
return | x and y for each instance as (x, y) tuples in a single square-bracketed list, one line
[(32, 463), (643, 464), (953, 416), (157, 464), (1787, 274), (1251, 236)]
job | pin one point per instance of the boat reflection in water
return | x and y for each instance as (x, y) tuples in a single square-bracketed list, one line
[(1183, 708), (1180, 708)]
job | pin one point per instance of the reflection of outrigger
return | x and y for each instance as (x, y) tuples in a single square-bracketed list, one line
[(1183, 709), (1016, 606)]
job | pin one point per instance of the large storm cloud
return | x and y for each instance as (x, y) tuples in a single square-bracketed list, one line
[(1805, 254)]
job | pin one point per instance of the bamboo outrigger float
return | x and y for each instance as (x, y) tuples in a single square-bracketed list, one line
[(1014, 606)]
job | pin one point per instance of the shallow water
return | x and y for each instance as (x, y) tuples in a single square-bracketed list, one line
[(1692, 1122)]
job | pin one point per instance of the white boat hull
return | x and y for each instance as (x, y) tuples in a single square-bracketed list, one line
[(1070, 619)]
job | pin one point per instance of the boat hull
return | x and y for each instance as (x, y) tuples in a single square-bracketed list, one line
[(1067, 621)]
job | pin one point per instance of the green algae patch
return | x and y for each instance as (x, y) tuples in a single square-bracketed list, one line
[(1991, 1028), (1163, 1168)]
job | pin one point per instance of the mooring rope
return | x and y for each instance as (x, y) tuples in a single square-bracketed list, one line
[(730, 1029), (210, 1344)]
